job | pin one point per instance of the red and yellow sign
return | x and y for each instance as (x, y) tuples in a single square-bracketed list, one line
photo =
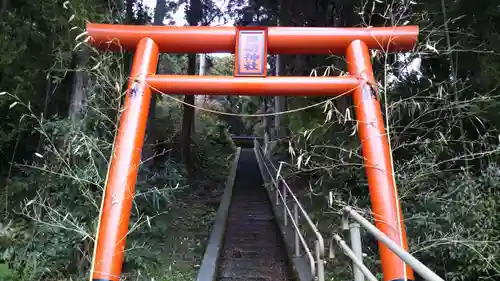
[(251, 52)]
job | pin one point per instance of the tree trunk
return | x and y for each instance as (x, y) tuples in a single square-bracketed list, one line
[(79, 87), (3, 8), (279, 101), (48, 91), (188, 122), (194, 16), (148, 150), (279, 105), (129, 11), (346, 17), (202, 69), (265, 123)]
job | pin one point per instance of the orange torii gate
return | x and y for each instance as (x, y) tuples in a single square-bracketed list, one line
[(251, 45)]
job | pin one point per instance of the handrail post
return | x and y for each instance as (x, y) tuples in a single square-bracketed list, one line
[(356, 246), (345, 221), (277, 194), (284, 192), (408, 258), (349, 253), (296, 218), (320, 263), (277, 191)]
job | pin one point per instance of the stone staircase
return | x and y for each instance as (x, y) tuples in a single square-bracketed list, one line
[(253, 248)]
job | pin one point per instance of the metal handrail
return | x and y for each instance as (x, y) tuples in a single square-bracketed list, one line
[(356, 255), (316, 263), (408, 258), (352, 255), (360, 270)]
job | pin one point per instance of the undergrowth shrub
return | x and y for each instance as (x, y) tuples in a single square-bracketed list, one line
[(446, 166), (455, 219), (53, 198)]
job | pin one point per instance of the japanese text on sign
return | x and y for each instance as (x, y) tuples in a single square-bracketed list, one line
[(251, 53)]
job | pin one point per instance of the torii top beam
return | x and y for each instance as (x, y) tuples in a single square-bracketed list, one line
[(222, 39)]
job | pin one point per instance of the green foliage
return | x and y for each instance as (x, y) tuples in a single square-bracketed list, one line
[(459, 215), (58, 170), (221, 66), (214, 147), (50, 200), (172, 64), (444, 132)]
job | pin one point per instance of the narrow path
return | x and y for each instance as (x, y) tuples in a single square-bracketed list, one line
[(253, 248)]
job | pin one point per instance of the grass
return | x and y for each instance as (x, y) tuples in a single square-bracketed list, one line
[(174, 246), (5, 272)]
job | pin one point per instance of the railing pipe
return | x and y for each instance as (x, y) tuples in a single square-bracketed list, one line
[(284, 202), (419, 267), (315, 264), (353, 257), (321, 263), (356, 246), (296, 218), (302, 240), (304, 213), (355, 254), (302, 210)]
